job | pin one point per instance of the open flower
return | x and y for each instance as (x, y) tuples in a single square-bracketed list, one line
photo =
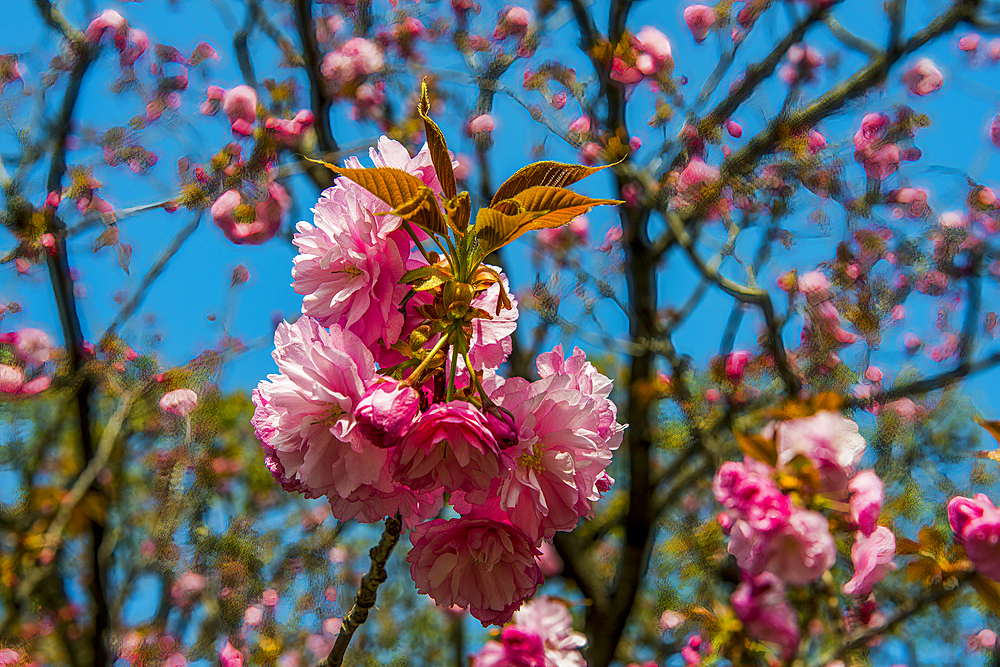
[(872, 556), (304, 415), (451, 446), (480, 564), (976, 522), (179, 402), (763, 607)]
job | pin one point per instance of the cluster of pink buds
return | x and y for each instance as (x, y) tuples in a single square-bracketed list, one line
[(129, 42), (775, 519), (25, 369), (387, 399), (650, 56)]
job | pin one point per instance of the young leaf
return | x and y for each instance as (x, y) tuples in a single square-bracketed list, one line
[(494, 230), (552, 174), (393, 186), (124, 256), (459, 210), (757, 447), (538, 207), (423, 210), (437, 145)]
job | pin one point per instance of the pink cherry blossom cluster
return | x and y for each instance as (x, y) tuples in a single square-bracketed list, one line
[(518, 464), (651, 56), (540, 634), (129, 42), (780, 539), (876, 147), (26, 372)]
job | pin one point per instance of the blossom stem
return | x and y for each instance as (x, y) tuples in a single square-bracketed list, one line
[(415, 375), (454, 368), (416, 241), (365, 598)]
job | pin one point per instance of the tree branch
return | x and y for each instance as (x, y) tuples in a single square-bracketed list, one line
[(365, 598)]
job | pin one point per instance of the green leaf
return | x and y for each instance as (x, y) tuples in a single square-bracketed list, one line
[(548, 173), (422, 272), (437, 145)]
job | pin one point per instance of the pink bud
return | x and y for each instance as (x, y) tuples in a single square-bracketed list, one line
[(518, 16), (873, 374), (482, 123), (230, 656), (969, 43), (581, 125), (734, 129), (179, 402), (559, 100), (634, 144), (699, 19)]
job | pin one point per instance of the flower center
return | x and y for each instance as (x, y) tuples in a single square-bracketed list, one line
[(532, 458)]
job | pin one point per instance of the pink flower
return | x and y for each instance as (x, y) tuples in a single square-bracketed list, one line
[(109, 19), (624, 73), (816, 142), (655, 44), (518, 16), (30, 345), (230, 656), (180, 402), (613, 234), (550, 618), (480, 564), (867, 493), (581, 125), (801, 66), (386, 412), (586, 379), (873, 129), (11, 379), (9, 657), (186, 587), (763, 607), (872, 556), (828, 439), (559, 100), (815, 285), (923, 77), (699, 19), (799, 551), (560, 454), (246, 225), (968, 42), (491, 342), (736, 363), (450, 446), (351, 259), (304, 416), (482, 123), (549, 561), (696, 173), (357, 58), (240, 106), (748, 489), (976, 523)]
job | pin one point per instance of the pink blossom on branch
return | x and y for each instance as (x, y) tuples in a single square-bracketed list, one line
[(181, 402), (763, 607), (480, 564), (872, 556), (976, 522), (799, 551), (304, 415), (867, 494), (923, 77), (251, 224), (450, 446), (699, 20)]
